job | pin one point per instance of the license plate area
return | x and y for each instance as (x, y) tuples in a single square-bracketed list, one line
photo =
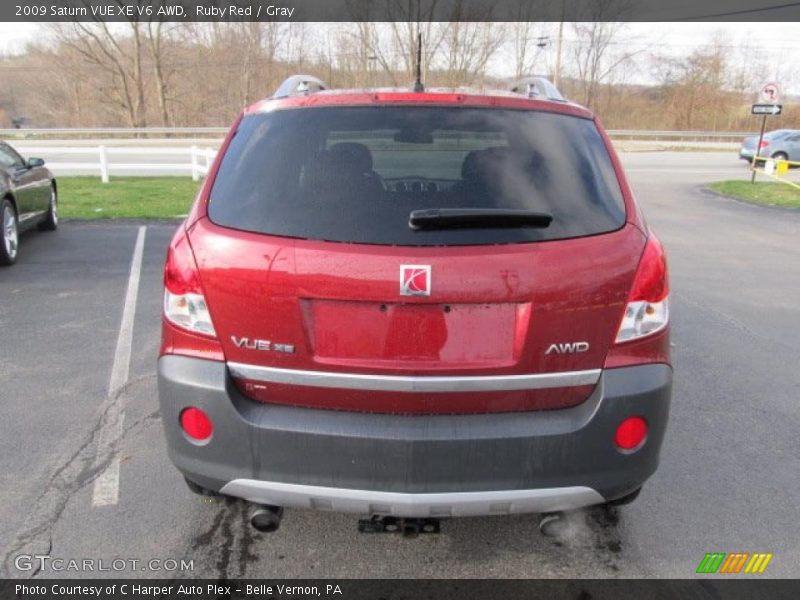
[(416, 335)]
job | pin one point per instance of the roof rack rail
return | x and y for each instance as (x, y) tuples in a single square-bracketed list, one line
[(297, 85), (538, 87)]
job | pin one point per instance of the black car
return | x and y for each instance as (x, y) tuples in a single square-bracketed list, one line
[(28, 197)]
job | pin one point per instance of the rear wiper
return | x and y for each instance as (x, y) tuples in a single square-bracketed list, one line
[(479, 218)]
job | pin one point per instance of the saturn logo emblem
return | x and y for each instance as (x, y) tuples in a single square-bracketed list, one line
[(415, 280)]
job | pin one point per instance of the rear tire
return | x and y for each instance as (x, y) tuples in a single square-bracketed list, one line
[(780, 156), (50, 222), (9, 242)]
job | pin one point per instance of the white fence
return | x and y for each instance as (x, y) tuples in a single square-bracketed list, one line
[(101, 159), (119, 151)]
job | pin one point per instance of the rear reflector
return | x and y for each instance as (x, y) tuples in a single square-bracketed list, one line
[(196, 424), (631, 433)]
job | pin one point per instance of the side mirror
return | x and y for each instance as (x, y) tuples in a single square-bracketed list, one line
[(35, 162)]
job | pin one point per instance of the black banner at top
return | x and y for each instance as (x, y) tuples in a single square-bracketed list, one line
[(397, 10)]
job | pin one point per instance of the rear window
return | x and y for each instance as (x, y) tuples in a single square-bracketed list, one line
[(354, 174)]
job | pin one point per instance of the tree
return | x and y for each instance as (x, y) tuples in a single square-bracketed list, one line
[(528, 41), (467, 49), (118, 56), (597, 55), (694, 87), (154, 35)]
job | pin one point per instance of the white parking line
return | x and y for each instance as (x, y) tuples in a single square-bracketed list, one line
[(106, 486), (122, 355)]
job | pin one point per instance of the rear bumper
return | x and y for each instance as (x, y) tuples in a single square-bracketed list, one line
[(451, 504), (416, 466)]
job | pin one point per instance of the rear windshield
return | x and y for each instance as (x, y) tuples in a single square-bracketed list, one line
[(354, 174)]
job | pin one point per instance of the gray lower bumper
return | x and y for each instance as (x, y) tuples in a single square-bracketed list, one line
[(453, 504), (438, 465)]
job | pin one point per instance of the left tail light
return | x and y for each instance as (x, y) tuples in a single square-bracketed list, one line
[(184, 302)]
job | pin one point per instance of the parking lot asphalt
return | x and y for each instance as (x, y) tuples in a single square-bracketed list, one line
[(729, 477)]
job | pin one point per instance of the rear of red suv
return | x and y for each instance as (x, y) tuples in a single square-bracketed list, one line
[(416, 304)]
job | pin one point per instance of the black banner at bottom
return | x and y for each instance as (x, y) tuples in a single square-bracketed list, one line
[(405, 589)]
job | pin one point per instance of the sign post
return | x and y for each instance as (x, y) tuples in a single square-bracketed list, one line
[(770, 94)]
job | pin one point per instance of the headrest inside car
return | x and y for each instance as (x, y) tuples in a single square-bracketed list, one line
[(351, 156)]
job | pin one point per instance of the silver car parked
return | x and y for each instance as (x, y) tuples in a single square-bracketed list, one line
[(782, 144)]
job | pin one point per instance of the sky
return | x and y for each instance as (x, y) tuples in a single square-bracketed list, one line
[(780, 42)]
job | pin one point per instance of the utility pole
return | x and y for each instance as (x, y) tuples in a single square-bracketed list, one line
[(557, 74)]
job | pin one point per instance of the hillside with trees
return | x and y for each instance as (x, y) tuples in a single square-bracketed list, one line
[(201, 74)]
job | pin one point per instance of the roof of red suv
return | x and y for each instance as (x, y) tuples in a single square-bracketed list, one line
[(440, 96)]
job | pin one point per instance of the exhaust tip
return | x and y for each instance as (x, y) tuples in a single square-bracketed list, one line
[(267, 519), (553, 525)]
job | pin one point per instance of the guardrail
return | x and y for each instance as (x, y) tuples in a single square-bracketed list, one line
[(121, 132), (678, 135), (199, 159), (195, 132)]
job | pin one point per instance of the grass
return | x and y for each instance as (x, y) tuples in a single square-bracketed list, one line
[(171, 197), (125, 197), (766, 193)]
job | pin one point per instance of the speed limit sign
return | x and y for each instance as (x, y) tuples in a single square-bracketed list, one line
[(770, 93)]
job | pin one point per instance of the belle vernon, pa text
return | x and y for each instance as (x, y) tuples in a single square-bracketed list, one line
[(136, 589)]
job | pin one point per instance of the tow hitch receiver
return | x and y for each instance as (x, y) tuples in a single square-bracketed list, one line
[(408, 527)]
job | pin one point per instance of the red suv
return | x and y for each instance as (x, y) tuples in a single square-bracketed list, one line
[(416, 304)]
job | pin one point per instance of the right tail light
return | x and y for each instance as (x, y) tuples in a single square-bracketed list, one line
[(647, 310)]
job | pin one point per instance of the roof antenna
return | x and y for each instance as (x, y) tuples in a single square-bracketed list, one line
[(418, 87)]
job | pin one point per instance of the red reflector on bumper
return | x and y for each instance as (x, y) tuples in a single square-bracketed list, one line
[(196, 424), (631, 433)]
